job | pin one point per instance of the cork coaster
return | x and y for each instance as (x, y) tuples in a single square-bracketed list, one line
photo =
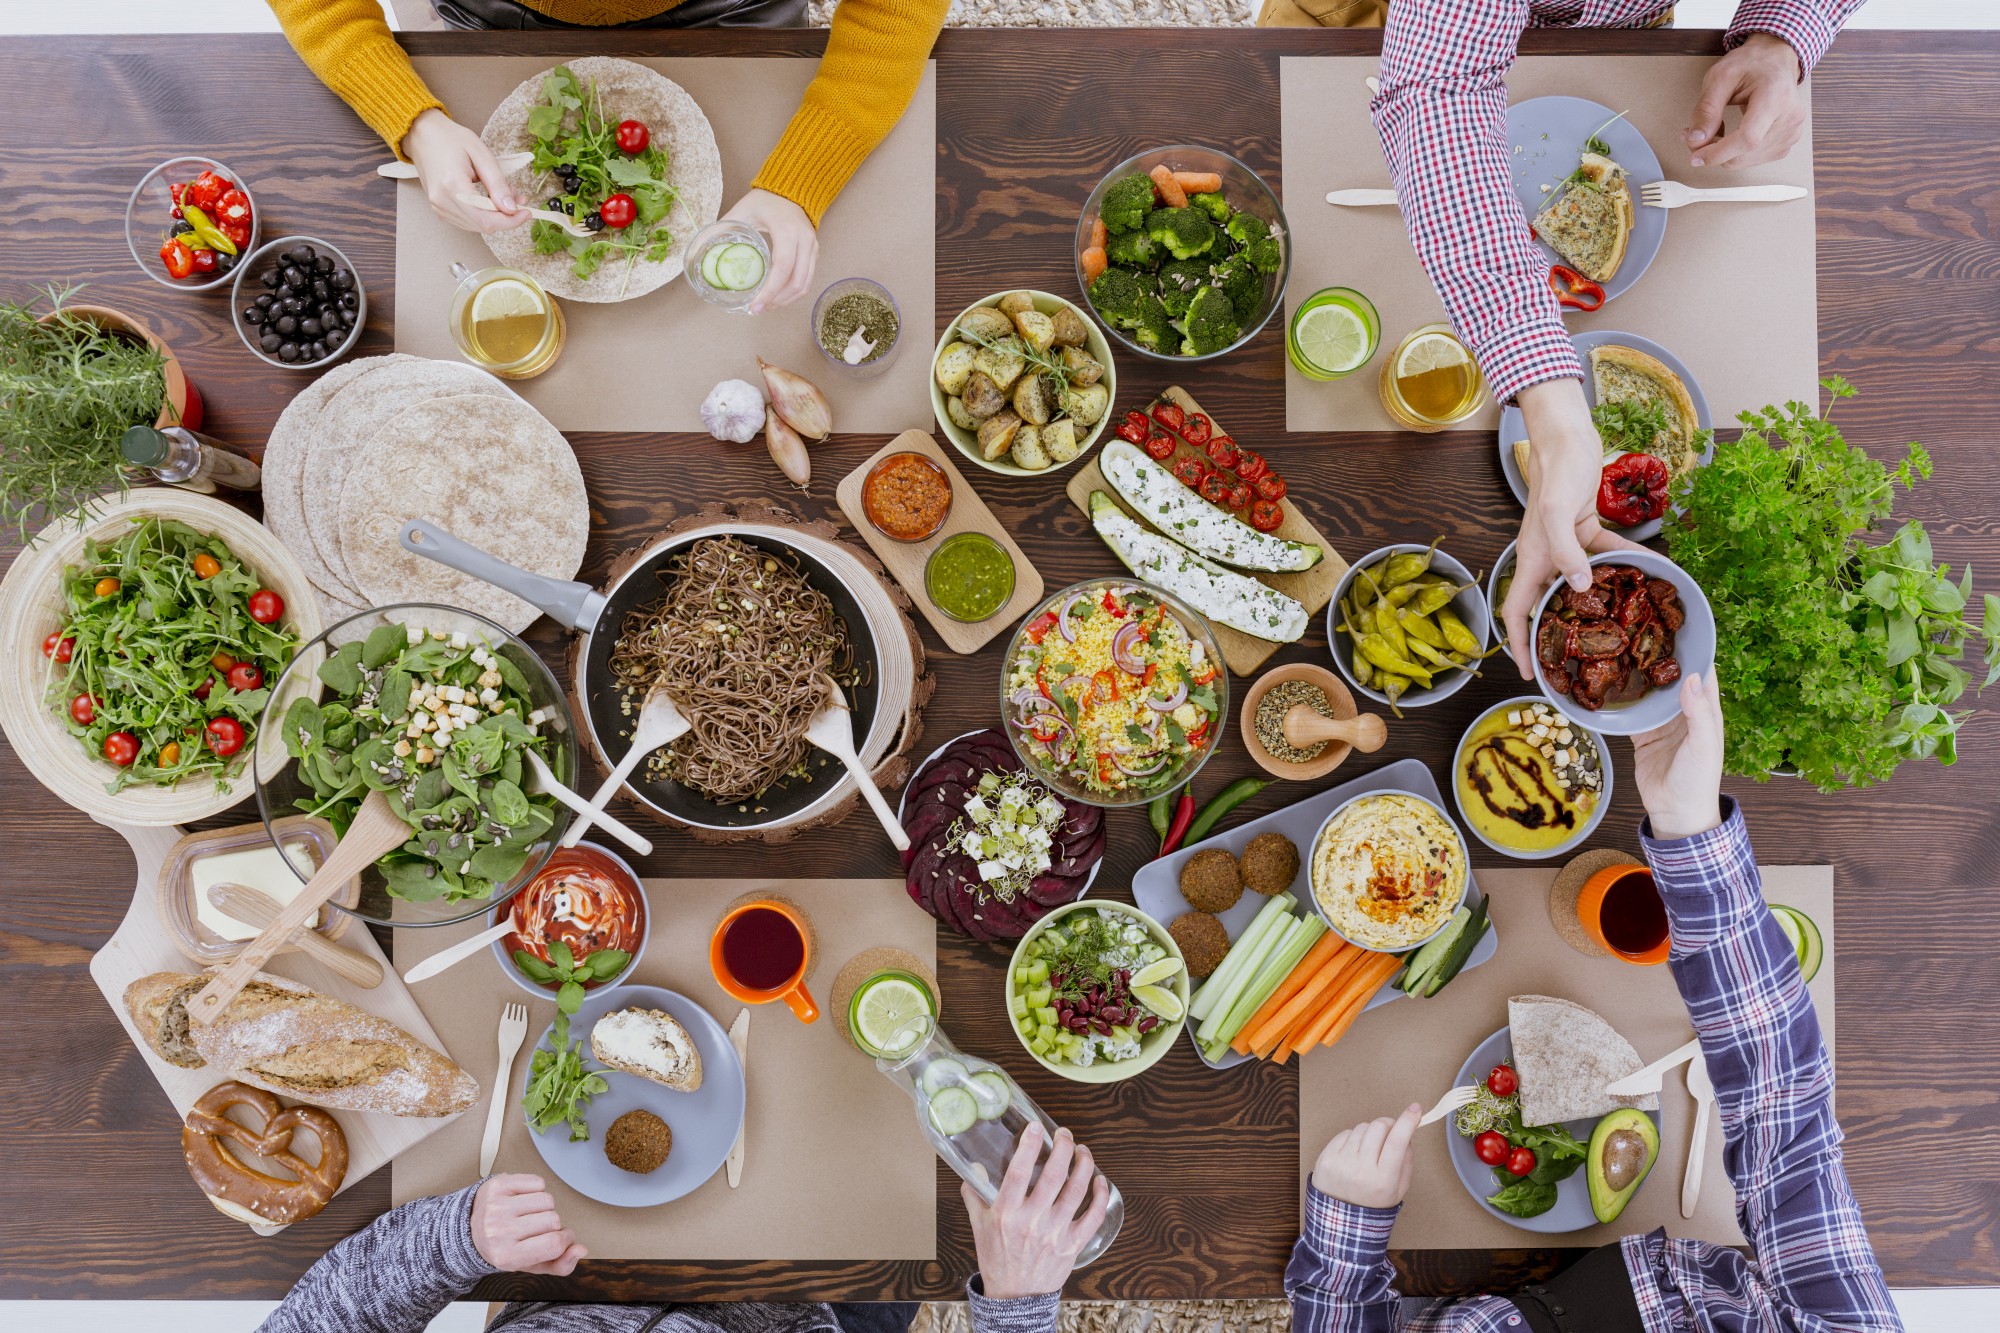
[(1568, 885), (865, 965), (812, 935)]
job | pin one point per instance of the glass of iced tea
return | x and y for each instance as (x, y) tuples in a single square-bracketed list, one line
[(1431, 382), (503, 321)]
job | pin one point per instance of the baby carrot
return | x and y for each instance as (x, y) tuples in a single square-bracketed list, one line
[(1171, 193), (1307, 997), (1098, 234), (1094, 263), (1374, 983), (1199, 182), (1317, 957)]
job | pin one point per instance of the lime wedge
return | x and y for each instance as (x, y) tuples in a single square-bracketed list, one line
[(738, 267), (1160, 1000), (1152, 974), (1334, 338), (883, 1012), (506, 298)]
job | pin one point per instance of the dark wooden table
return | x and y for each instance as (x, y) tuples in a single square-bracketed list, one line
[(94, 1201)]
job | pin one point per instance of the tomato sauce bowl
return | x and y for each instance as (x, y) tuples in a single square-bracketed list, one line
[(587, 897)]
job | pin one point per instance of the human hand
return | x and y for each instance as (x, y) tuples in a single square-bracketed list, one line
[(1027, 1243), (1762, 77), (1369, 1166), (1560, 526), (451, 161), (515, 1228), (794, 246), (1679, 766)]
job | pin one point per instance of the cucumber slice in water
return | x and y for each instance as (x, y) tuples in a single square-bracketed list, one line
[(991, 1090), (738, 267), (953, 1110), (942, 1074), (711, 261)]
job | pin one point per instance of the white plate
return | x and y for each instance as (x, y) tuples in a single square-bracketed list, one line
[(1545, 136)]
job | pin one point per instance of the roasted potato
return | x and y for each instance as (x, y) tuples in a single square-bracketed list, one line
[(996, 436), (986, 322), (1071, 328), (1002, 363), (1059, 440), (1031, 399), (983, 397), (954, 407), (1028, 451), (1084, 369), (954, 363), (1036, 329), (1089, 404), (1013, 303)]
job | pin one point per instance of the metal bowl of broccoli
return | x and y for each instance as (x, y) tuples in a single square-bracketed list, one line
[(1182, 253)]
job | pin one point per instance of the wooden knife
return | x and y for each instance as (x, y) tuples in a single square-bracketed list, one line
[(739, 1037)]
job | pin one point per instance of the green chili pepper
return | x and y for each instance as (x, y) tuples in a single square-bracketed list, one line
[(1403, 595), (207, 232), (1388, 627), (1364, 670), (1235, 794), (1435, 595), (1393, 686), (1420, 628), (1158, 811), (1436, 659), (1378, 651)]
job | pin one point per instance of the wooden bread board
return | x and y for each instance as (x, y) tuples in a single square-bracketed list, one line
[(142, 945), (905, 560), (1314, 588)]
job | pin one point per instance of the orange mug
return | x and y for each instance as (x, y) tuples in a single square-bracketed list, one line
[(761, 951), (1620, 910)]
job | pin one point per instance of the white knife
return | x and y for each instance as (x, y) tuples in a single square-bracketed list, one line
[(407, 171), (1362, 198), (739, 1037), (1648, 1079), (1703, 1093)]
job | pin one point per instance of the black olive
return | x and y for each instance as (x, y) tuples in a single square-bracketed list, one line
[(254, 315), (302, 254), (294, 276), (310, 328), (181, 227), (341, 280), (349, 300), (269, 342), (321, 290), (323, 265), (335, 336), (223, 262), (271, 279), (318, 351), (593, 220), (287, 325), (291, 305), (288, 352), (556, 205), (347, 317), (267, 300)]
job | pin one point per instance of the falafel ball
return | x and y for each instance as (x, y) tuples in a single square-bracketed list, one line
[(1202, 941), (1270, 864), (1210, 881), (638, 1141)]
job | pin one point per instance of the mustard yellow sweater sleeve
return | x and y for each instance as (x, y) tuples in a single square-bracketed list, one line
[(347, 44), (874, 60)]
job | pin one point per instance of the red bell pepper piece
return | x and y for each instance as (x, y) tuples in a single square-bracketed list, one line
[(1632, 490), (1574, 290)]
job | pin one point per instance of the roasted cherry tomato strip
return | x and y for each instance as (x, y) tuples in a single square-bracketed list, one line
[(1214, 488), (1249, 466), (1190, 472), (1222, 452), (1266, 515), (1239, 497), (1196, 429), (1573, 289), (1135, 427), (1170, 415), (1270, 486)]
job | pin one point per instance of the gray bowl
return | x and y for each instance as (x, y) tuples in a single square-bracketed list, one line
[(1694, 648), (1309, 854), (536, 989), (1469, 605), (249, 273), (1583, 832), (1501, 568)]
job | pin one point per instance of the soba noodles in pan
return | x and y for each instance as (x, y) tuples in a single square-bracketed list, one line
[(744, 646)]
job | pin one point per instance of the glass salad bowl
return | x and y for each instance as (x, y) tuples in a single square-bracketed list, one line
[(281, 788)]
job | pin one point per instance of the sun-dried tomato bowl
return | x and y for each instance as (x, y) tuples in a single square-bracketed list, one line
[(1694, 650)]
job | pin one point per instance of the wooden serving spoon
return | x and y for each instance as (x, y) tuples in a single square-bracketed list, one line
[(1306, 727), (375, 832), (254, 907), (832, 730), (661, 722)]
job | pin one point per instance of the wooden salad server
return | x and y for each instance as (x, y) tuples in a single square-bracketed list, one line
[(1305, 727), (254, 907), (376, 831), (832, 730)]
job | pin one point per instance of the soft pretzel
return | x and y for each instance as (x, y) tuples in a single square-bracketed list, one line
[(239, 1189)]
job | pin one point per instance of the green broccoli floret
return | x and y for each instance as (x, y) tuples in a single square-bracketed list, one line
[(1247, 227), (1118, 297), (1155, 329), (1133, 248), (1126, 203), (1210, 324), (1185, 232), (1212, 204), (1265, 254), (1180, 279), (1241, 283)]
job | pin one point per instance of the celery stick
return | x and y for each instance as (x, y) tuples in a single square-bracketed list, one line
[(1281, 966), (1222, 1015), (1246, 974), (1272, 914)]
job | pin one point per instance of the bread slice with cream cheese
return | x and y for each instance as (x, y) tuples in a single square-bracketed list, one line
[(649, 1043)]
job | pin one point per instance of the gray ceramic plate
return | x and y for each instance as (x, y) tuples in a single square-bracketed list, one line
[(704, 1121), (1545, 135), (1572, 1209), (1157, 886), (1512, 428)]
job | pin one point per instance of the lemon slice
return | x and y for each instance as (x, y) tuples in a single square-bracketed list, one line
[(1433, 351), (1152, 974), (506, 298), (1160, 1000), (1334, 338), (884, 1015)]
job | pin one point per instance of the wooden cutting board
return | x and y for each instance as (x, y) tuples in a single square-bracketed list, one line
[(905, 560), (142, 945), (1314, 588)]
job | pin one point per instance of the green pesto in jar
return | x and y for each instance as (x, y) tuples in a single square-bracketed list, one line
[(969, 577)]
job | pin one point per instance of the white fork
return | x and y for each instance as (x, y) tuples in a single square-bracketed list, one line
[(1451, 1101), (513, 1030), (1673, 194)]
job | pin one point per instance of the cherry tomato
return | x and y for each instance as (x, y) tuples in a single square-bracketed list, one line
[(170, 754), (204, 261), (1270, 486), (1190, 471), (106, 586), (201, 690), (206, 566), (1160, 446), (238, 234), (233, 206), (1170, 415), (1196, 429), (1250, 466), (1215, 488), (222, 661), (1491, 1148), (1239, 497), (245, 676), (1520, 1162), (633, 136), (266, 606), (1266, 515), (84, 709), (121, 748), (1222, 452), (58, 646), (225, 736), (618, 211), (205, 190), (1134, 427), (176, 191), (1503, 1081)]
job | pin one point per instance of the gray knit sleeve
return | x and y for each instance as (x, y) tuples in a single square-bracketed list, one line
[(393, 1276), (1023, 1314)]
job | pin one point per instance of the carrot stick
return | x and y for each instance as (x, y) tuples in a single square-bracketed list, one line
[(1317, 1017), (1317, 957), (1099, 235), (1346, 1018), (1199, 182), (1171, 193), (1305, 997), (1094, 263)]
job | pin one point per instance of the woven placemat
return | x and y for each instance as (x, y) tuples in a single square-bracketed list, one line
[(1568, 885)]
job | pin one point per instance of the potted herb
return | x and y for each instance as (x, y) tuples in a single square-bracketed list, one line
[(72, 379), (1839, 658)]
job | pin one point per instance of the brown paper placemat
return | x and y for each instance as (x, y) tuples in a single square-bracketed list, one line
[(1732, 292), (1410, 1053), (646, 364), (835, 1166)]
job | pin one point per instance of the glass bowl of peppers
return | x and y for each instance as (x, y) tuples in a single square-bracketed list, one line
[(189, 222)]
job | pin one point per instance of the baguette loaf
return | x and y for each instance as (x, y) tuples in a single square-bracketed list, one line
[(280, 1036)]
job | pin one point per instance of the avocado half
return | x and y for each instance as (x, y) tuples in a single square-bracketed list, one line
[(1623, 1148)]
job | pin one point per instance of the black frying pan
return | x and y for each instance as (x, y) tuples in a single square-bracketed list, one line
[(601, 617)]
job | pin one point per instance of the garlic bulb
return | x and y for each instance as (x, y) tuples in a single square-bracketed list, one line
[(798, 400), (734, 411)]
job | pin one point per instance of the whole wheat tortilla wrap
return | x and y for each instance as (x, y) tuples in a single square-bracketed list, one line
[(1565, 1054)]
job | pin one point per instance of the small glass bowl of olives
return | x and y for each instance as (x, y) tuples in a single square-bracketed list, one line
[(298, 303)]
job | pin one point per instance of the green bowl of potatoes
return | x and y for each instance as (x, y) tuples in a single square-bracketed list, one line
[(1022, 383)]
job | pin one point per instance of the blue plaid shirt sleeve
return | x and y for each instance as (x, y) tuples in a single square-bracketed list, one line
[(1740, 979), (1339, 1279)]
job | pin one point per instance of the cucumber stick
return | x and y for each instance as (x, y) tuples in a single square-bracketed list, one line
[(1281, 965), (1271, 915), (1425, 960)]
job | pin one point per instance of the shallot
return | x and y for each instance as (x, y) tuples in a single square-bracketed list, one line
[(788, 451), (798, 400)]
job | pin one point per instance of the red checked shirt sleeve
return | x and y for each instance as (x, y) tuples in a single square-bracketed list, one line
[(1808, 26)]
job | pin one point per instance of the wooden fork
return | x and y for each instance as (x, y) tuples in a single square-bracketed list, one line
[(1451, 1101)]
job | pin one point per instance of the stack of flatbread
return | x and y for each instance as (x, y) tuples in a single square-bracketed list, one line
[(374, 443), (1565, 1054)]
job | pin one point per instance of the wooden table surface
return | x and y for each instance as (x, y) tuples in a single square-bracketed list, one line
[(94, 1201)]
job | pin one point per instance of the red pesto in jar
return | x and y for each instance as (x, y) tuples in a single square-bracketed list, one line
[(606, 908), (907, 496)]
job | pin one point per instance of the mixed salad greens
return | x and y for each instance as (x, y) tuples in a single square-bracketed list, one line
[(559, 1087), (612, 178), (437, 722), (1527, 1160), (160, 663)]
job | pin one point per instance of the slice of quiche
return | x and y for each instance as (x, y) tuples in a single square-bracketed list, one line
[(1589, 223), (1628, 375)]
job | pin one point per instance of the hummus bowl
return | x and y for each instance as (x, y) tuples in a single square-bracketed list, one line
[(1388, 869)]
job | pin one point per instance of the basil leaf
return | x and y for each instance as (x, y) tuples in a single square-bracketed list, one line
[(533, 968), (607, 963), (570, 998), (560, 955)]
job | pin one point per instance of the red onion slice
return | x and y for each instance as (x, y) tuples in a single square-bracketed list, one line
[(1173, 701), (1062, 619), (1121, 649)]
